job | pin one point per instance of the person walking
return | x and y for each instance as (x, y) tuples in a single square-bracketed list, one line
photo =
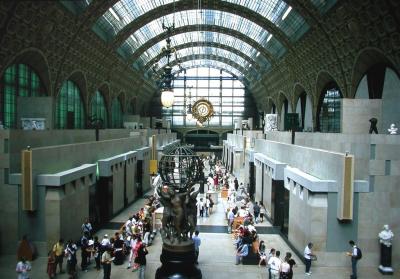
[(200, 207), (231, 218), (263, 212), (22, 269), (87, 228), (197, 243), (355, 255), (308, 254), (106, 260), (141, 260), (58, 250)]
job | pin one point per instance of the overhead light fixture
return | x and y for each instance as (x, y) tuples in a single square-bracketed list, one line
[(167, 97), (269, 38), (286, 13)]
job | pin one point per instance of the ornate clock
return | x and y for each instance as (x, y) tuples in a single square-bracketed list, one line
[(202, 110)]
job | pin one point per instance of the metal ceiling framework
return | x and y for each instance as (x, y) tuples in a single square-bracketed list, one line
[(138, 16), (207, 63), (206, 44), (239, 69)]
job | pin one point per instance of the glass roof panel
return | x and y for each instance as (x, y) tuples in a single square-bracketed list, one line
[(206, 50), (194, 17), (125, 11), (324, 5), (214, 37), (292, 24), (76, 7), (208, 63)]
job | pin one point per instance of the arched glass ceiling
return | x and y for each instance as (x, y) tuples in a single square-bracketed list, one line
[(214, 37), (206, 50), (208, 63), (193, 17), (125, 11)]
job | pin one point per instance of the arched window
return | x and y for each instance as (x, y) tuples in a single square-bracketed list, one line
[(328, 120), (19, 80), (116, 114), (99, 108), (70, 113)]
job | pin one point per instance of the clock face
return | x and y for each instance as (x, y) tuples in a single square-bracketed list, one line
[(202, 110)]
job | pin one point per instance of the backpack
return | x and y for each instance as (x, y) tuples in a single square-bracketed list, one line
[(359, 254)]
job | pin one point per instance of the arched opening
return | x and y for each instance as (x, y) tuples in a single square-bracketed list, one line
[(116, 113), (70, 113), (285, 109), (18, 80), (98, 109), (328, 110), (304, 110)]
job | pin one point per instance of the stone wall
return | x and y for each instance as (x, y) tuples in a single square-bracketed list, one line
[(60, 45)]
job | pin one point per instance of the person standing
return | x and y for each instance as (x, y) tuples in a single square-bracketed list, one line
[(141, 260), (51, 265), (70, 252), (200, 207), (84, 253), (308, 254), (355, 254), (207, 205), (291, 262), (256, 210), (96, 252), (22, 269), (231, 218), (106, 260), (58, 250), (275, 265), (270, 255), (197, 243), (87, 228)]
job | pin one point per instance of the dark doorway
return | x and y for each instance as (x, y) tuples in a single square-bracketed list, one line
[(125, 195), (139, 178), (94, 207), (105, 199), (280, 206), (70, 120), (252, 180)]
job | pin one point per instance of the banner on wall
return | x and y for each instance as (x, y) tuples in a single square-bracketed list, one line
[(271, 122)]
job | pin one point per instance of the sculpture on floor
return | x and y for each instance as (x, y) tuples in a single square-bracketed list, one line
[(385, 239), (392, 130), (372, 127), (180, 169)]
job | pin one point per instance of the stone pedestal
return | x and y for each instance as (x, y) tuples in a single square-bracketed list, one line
[(386, 260), (178, 262)]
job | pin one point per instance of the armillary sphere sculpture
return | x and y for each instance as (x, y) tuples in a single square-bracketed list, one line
[(180, 169)]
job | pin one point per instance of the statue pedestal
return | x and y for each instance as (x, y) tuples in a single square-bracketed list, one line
[(178, 262), (386, 260)]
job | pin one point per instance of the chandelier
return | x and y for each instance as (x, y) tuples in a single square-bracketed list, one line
[(167, 92)]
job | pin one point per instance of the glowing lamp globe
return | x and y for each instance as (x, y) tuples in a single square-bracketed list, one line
[(167, 98)]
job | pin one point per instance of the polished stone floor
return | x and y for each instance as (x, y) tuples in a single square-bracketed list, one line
[(216, 260)]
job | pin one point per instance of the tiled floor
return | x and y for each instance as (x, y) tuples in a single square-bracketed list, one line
[(216, 258)]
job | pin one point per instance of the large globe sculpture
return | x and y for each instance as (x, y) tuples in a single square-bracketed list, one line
[(180, 167)]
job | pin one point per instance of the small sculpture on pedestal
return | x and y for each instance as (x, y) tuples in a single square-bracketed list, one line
[(392, 130), (385, 238)]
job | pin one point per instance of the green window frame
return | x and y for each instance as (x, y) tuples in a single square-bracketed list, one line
[(98, 108), (116, 115), (70, 113), (19, 80)]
